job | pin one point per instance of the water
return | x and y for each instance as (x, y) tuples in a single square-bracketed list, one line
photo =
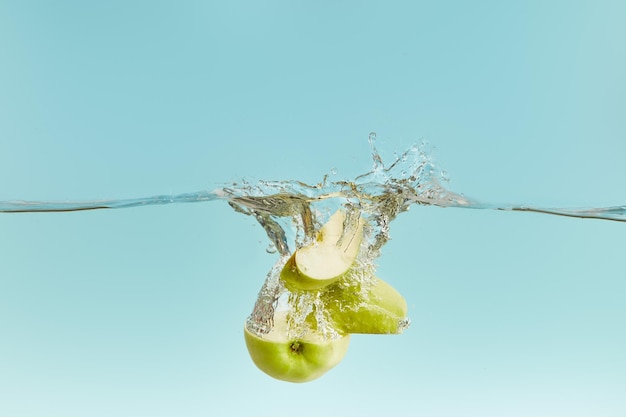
[(411, 178), (291, 212), (285, 207), (615, 213)]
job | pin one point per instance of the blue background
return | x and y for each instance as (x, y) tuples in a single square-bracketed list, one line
[(140, 311)]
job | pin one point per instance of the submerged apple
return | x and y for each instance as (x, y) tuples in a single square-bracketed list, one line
[(324, 261), (298, 359), (336, 288), (374, 307)]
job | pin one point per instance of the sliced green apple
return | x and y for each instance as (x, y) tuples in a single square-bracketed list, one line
[(294, 359), (376, 309), (324, 261)]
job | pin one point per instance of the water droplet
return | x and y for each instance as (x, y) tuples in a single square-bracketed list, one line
[(378, 162), (271, 248), (333, 171), (404, 324)]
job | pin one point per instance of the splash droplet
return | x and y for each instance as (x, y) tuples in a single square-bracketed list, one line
[(378, 162)]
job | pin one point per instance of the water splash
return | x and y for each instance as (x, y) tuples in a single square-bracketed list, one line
[(411, 178)]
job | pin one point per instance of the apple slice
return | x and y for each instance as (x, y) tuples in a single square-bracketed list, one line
[(376, 309), (324, 261), (294, 359)]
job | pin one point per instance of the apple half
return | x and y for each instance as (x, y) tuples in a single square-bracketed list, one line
[(378, 308), (324, 261), (294, 359)]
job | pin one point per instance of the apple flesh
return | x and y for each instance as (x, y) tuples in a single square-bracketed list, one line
[(300, 359), (323, 262), (376, 308)]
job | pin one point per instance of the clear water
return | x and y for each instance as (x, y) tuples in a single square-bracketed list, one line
[(291, 212)]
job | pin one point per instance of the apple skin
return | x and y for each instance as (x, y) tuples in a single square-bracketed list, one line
[(379, 309), (297, 360)]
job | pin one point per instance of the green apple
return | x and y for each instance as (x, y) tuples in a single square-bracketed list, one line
[(298, 359), (372, 307), (324, 261)]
